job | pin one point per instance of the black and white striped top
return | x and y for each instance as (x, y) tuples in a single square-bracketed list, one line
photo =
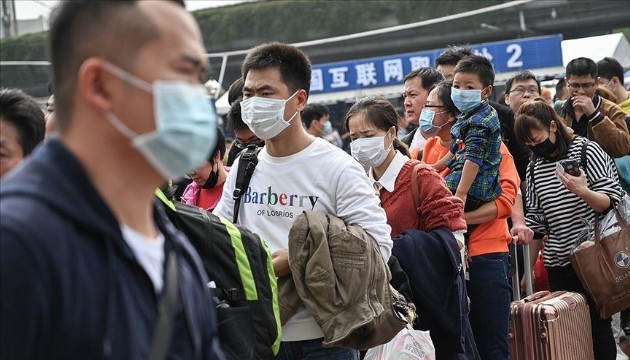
[(556, 211)]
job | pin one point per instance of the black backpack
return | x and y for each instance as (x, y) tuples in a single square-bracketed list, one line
[(239, 263)]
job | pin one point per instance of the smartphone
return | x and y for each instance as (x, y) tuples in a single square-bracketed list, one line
[(571, 167)]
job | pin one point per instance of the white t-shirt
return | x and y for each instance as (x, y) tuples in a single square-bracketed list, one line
[(149, 253), (321, 177), (418, 141)]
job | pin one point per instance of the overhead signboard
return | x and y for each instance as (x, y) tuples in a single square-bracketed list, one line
[(506, 56)]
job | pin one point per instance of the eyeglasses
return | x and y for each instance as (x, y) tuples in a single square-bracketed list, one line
[(521, 91), (433, 106), (242, 145), (578, 86)]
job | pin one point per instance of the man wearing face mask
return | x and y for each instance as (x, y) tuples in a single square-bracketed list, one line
[(90, 266), (296, 171), (418, 84), (316, 119), (208, 179)]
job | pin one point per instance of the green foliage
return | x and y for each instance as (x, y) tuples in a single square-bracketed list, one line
[(32, 79), (625, 31), (246, 25)]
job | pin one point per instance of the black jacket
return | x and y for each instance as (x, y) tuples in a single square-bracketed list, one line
[(519, 151), (70, 286), (433, 263)]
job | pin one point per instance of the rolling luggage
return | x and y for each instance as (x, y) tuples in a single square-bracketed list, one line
[(549, 326)]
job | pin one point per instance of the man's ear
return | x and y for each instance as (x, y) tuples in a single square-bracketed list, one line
[(507, 99), (619, 81), (93, 84), (302, 99)]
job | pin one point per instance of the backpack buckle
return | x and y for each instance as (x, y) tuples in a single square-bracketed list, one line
[(233, 295), (236, 194)]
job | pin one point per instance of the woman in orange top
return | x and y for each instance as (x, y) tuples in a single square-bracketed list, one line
[(488, 287)]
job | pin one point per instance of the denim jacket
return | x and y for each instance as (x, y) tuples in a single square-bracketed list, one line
[(339, 274)]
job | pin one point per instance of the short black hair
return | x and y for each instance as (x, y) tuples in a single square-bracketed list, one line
[(581, 67), (22, 111), (294, 65), (429, 77), (220, 146), (314, 112), (236, 90), (478, 65), (522, 76), (235, 121), (453, 54), (81, 29), (609, 68)]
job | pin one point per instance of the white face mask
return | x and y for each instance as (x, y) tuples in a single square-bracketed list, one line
[(185, 125), (369, 152), (264, 116)]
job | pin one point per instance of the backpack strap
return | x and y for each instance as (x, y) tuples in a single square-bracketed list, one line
[(167, 308), (414, 186), (246, 166)]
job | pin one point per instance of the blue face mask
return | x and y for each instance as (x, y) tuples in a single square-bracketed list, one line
[(185, 125), (426, 123), (327, 128), (465, 100)]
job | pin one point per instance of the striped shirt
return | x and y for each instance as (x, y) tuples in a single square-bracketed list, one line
[(556, 211)]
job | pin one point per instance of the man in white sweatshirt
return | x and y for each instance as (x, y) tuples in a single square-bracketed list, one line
[(296, 172)]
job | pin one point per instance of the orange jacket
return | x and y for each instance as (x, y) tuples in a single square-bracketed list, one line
[(493, 236)]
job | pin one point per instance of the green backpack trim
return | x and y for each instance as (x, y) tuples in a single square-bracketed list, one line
[(244, 268), (160, 195), (275, 347)]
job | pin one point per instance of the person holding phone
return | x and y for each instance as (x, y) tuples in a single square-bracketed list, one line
[(560, 195)]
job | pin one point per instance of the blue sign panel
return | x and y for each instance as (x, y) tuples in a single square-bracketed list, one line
[(513, 55)]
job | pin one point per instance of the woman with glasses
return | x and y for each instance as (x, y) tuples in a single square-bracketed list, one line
[(590, 115)]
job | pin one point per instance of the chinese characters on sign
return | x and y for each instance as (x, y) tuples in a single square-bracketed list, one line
[(514, 55)]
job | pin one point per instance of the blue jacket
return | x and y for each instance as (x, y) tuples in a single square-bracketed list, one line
[(433, 263), (70, 286)]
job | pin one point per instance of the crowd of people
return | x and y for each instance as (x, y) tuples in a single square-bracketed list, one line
[(89, 261)]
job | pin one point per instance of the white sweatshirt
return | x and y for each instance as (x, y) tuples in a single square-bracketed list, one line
[(321, 177)]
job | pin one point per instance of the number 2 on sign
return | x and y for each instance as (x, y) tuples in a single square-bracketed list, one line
[(516, 51)]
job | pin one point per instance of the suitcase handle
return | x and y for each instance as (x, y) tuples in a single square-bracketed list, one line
[(536, 296)]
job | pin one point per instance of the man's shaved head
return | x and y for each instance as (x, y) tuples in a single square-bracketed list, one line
[(80, 29)]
